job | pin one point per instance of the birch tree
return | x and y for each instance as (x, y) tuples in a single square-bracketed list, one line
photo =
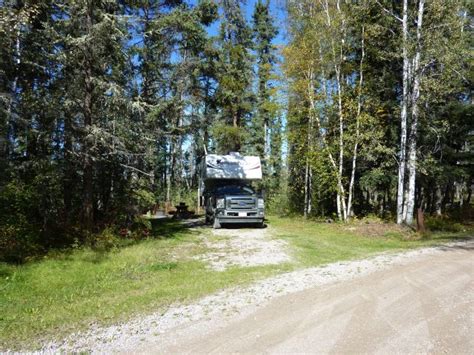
[(418, 57), (415, 96), (403, 116), (323, 43)]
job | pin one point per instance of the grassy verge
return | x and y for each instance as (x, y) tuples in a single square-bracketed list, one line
[(50, 298), (321, 243), (67, 292)]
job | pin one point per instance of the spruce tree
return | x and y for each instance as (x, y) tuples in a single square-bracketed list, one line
[(91, 57), (235, 95), (266, 124)]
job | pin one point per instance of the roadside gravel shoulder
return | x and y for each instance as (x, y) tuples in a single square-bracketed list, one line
[(211, 311)]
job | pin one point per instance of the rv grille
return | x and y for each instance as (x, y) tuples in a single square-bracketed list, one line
[(241, 203)]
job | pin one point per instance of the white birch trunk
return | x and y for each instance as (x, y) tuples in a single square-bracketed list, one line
[(403, 117), (356, 144), (306, 188), (338, 206), (341, 145), (412, 159), (309, 187), (310, 190), (308, 171), (340, 198), (439, 200)]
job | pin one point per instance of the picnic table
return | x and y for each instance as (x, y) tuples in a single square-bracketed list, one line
[(182, 211)]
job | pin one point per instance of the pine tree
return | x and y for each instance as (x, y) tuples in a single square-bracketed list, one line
[(92, 62), (235, 95), (266, 124)]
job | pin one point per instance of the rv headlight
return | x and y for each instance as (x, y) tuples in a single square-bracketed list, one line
[(220, 203), (261, 203)]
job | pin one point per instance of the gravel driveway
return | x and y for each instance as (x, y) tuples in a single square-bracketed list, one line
[(419, 301), (243, 247), (422, 303)]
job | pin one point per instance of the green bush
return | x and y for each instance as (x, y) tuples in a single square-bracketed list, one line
[(144, 199), (278, 204), (369, 219), (19, 232), (141, 228), (104, 241), (17, 243), (443, 223)]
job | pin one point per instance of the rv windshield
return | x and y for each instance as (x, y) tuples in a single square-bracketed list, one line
[(235, 190)]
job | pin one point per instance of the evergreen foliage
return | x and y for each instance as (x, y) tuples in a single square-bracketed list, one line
[(107, 107), (234, 95)]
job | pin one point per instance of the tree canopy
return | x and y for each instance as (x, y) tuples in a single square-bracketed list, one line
[(107, 108)]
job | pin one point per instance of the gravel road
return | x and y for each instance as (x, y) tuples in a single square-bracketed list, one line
[(423, 306), (421, 301)]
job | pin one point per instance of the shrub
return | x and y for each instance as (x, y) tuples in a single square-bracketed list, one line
[(278, 204), (144, 199), (104, 241), (370, 219), (17, 243), (19, 232), (443, 223)]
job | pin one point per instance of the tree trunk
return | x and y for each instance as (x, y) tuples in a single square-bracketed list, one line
[(356, 144), (88, 203), (266, 145), (337, 63), (469, 194), (412, 158), (403, 117), (235, 120), (308, 173), (420, 221), (338, 68), (68, 169), (170, 172), (307, 192), (439, 200), (341, 146)]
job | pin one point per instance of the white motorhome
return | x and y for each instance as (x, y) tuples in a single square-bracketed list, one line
[(227, 192)]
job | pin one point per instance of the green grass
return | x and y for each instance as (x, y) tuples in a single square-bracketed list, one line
[(50, 298), (321, 243), (65, 292)]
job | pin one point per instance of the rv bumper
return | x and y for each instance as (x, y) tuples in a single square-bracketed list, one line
[(239, 220), (230, 216)]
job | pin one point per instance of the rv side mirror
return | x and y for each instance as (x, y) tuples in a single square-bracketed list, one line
[(201, 201)]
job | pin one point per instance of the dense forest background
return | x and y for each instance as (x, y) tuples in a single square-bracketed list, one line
[(107, 108)]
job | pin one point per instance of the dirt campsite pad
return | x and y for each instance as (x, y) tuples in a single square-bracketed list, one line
[(243, 247)]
